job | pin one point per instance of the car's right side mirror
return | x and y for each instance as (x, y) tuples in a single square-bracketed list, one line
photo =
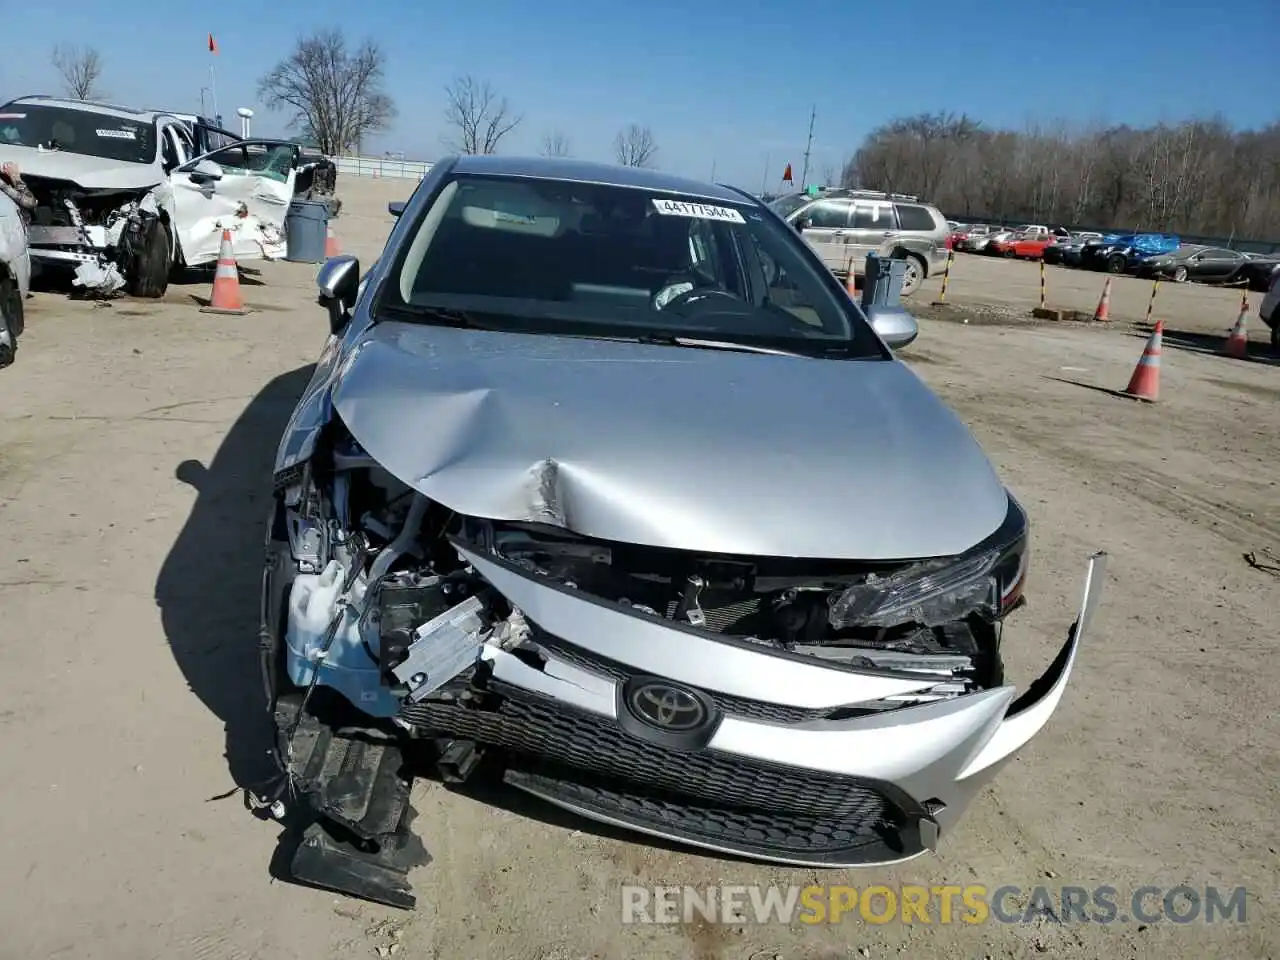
[(894, 326), (338, 281), (395, 208), (801, 224)]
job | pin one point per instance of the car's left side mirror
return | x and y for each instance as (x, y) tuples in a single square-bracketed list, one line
[(894, 326), (395, 208), (206, 171), (338, 282), (801, 224)]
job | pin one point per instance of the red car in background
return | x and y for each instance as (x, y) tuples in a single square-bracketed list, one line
[(1024, 247)]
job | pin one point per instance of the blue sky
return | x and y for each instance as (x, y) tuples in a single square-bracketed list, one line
[(721, 83)]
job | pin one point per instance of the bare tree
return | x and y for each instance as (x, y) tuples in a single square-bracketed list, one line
[(80, 69), (479, 118), (635, 147), (555, 144), (335, 95)]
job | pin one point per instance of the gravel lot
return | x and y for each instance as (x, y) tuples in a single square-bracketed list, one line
[(135, 446)]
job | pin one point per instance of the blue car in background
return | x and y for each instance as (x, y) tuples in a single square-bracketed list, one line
[(1123, 252)]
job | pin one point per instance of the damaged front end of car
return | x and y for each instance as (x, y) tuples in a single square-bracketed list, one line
[(102, 235), (799, 711)]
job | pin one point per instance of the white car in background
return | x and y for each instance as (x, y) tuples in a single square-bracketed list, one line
[(15, 277), (125, 199)]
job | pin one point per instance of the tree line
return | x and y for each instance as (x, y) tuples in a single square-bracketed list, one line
[(1197, 177)]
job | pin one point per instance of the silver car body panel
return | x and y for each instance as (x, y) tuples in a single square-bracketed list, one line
[(943, 751), (553, 429)]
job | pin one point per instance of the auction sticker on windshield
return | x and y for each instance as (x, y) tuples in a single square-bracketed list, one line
[(117, 134), (700, 211)]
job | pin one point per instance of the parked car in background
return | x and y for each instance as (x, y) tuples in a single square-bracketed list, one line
[(1269, 311), (1124, 252), (125, 197), (1024, 247), (1259, 269), (1067, 249), (843, 226), (973, 238), (15, 278), (990, 245), (1195, 262)]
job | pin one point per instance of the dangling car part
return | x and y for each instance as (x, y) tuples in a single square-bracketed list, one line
[(605, 487)]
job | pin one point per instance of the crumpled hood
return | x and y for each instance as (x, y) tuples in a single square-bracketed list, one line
[(694, 449), (91, 173)]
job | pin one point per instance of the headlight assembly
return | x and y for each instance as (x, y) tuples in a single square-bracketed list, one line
[(987, 580)]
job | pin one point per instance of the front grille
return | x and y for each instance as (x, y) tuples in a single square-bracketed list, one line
[(731, 705), (536, 727), (793, 838)]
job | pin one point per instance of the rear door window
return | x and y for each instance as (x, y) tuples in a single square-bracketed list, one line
[(913, 217)]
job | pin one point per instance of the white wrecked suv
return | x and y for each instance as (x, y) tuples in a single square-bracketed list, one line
[(125, 199), (604, 487)]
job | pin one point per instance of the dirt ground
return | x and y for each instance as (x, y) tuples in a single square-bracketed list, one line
[(135, 447)]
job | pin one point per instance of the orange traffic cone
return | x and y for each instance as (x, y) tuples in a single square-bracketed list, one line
[(331, 248), (1237, 345), (1145, 382), (851, 284), (1103, 313), (226, 282)]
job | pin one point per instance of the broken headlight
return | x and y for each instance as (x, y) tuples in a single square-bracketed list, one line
[(987, 580)]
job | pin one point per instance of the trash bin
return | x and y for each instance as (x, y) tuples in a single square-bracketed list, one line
[(882, 286), (306, 227)]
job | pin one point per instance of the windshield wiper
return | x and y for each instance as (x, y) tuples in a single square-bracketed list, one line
[(415, 312), (670, 340)]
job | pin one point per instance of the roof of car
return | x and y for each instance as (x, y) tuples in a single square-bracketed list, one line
[(91, 106), (582, 171)]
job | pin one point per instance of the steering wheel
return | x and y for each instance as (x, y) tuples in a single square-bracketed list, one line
[(696, 295)]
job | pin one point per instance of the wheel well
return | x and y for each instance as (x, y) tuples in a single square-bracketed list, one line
[(903, 252)]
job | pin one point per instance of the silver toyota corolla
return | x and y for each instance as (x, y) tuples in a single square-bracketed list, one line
[(604, 487)]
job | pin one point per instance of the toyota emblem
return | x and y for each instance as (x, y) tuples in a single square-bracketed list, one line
[(667, 708)]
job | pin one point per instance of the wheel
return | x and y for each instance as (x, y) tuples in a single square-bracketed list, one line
[(146, 259), (11, 322), (1116, 263), (1180, 275), (1275, 338), (1011, 253), (913, 276)]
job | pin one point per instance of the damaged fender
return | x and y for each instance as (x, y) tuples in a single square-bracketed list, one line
[(209, 197)]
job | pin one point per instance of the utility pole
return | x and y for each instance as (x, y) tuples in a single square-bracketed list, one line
[(764, 178), (804, 176)]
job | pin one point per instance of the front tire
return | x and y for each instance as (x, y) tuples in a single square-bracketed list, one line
[(1180, 275), (1275, 337), (148, 260), (1116, 263), (914, 275)]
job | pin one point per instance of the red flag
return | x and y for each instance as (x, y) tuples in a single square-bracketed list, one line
[(786, 174), (213, 48)]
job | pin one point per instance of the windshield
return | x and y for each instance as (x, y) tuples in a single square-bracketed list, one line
[(550, 256), (786, 206), (77, 131)]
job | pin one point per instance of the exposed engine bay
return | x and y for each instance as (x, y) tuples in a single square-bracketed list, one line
[(370, 595), (102, 234)]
